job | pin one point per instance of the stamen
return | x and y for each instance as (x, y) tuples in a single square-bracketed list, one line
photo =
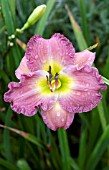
[(49, 69), (47, 80), (50, 74), (56, 76), (52, 81), (50, 77), (56, 79)]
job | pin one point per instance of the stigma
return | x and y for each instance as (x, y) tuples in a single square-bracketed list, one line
[(53, 80)]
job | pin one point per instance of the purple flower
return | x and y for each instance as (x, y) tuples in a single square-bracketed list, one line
[(56, 79)]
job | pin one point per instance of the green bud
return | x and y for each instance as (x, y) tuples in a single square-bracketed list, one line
[(34, 17)]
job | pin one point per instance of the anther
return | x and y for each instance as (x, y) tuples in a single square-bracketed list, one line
[(56, 76), (47, 80), (50, 74), (53, 81), (49, 71)]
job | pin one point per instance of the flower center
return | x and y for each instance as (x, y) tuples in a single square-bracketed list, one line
[(53, 81)]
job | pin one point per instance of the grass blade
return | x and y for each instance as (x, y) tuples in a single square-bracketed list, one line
[(12, 4), (99, 149), (8, 16), (23, 165), (82, 45), (27, 136), (41, 25), (7, 165), (54, 154), (4, 76), (7, 136), (85, 31), (93, 131), (79, 36), (101, 115), (64, 147), (74, 165), (106, 80), (82, 148)]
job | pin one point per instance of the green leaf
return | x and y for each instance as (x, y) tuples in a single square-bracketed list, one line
[(23, 165), (106, 168), (85, 30), (106, 80), (42, 23), (7, 136), (74, 165), (106, 68), (27, 136), (12, 4), (94, 130), (78, 33), (7, 165), (54, 154), (83, 45), (41, 128), (8, 13), (8, 16), (82, 148), (4, 76), (64, 147), (101, 114), (99, 149)]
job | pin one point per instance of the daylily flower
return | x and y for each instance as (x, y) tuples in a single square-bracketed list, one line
[(56, 79)]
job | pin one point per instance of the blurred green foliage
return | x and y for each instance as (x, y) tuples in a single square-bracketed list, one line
[(85, 145)]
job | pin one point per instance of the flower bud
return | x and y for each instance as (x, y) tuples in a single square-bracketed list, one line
[(34, 17)]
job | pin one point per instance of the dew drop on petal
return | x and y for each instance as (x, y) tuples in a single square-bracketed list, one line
[(44, 117), (78, 93), (87, 85), (43, 60), (62, 119), (44, 107), (58, 113), (36, 56), (89, 59)]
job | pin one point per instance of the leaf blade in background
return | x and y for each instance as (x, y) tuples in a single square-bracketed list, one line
[(82, 45), (7, 165), (85, 30), (23, 165), (79, 36), (8, 17), (7, 144), (82, 148), (41, 25), (27, 136), (98, 150), (74, 165), (12, 4), (94, 130), (64, 147)]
